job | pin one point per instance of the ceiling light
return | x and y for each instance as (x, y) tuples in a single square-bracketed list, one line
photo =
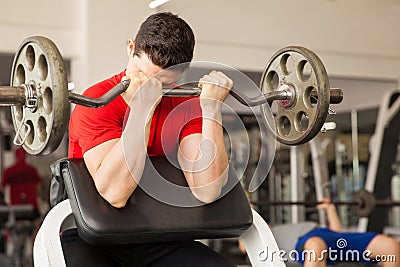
[(156, 3)]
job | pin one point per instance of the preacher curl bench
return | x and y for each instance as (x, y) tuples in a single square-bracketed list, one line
[(98, 222)]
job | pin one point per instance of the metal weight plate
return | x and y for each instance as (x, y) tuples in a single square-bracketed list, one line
[(297, 121), (366, 203), (41, 129)]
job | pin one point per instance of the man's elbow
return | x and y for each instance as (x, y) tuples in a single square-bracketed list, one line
[(118, 204), (115, 200), (206, 198), (211, 192)]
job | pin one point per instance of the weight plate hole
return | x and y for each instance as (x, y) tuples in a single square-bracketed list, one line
[(310, 99), (287, 64), (20, 77), (302, 121), (42, 125), (304, 70), (284, 126), (48, 100), (30, 58), (43, 69), (31, 134), (273, 80)]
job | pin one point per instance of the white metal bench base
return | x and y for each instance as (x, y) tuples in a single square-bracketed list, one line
[(260, 244)]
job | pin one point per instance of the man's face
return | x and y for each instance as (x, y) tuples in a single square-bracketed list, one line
[(143, 64)]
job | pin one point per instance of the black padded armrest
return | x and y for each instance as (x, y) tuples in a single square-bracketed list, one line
[(146, 219)]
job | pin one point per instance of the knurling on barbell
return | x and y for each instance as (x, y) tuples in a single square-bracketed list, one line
[(39, 95)]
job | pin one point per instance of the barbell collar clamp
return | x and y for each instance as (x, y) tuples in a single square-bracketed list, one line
[(25, 95), (30, 95)]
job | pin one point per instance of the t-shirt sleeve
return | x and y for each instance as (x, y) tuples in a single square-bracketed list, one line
[(94, 126), (195, 119)]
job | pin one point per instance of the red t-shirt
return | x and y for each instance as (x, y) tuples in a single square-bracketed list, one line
[(22, 180), (173, 119)]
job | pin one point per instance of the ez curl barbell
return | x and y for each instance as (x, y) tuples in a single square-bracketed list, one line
[(39, 96)]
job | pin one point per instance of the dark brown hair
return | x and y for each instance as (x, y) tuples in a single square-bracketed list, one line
[(166, 39)]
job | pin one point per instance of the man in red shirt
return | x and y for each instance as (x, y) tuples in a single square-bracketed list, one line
[(21, 183), (116, 139)]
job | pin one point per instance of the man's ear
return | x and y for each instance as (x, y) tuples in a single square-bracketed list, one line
[(130, 47)]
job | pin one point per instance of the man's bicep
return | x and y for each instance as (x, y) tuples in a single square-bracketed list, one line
[(95, 156)]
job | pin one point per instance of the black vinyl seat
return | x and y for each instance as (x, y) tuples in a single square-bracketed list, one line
[(147, 219)]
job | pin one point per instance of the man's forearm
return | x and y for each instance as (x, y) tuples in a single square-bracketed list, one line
[(121, 169), (333, 219), (135, 138), (211, 168)]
